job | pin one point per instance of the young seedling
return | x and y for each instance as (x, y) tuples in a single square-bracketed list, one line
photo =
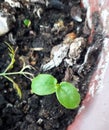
[(23, 71), (27, 22), (66, 93)]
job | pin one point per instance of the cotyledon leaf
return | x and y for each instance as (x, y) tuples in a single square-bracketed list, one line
[(43, 84), (68, 95)]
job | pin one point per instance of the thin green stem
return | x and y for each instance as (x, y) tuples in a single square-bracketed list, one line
[(12, 73), (16, 73)]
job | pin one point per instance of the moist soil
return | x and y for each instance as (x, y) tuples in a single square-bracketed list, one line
[(33, 112)]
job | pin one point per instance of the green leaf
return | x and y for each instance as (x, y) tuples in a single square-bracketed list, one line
[(27, 22), (43, 84), (68, 95)]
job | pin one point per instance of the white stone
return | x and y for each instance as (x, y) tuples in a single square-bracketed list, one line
[(3, 25)]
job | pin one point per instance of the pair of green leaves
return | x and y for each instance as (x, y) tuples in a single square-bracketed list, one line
[(67, 94)]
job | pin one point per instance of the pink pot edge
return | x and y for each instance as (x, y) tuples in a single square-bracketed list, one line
[(94, 114)]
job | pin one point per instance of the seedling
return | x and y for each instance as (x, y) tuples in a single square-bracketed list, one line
[(6, 73), (66, 93), (27, 22)]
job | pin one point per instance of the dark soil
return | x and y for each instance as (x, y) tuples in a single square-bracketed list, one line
[(34, 112)]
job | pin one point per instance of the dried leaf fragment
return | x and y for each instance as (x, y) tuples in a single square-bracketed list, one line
[(58, 56), (76, 48)]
